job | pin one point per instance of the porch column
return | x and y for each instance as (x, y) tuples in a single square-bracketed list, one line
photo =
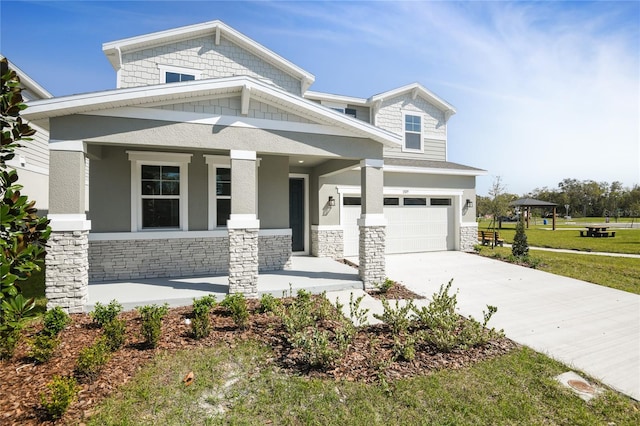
[(372, 224), (67, 259), (243, 225)]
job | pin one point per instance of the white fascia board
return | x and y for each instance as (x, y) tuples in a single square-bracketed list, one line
[(433, 171), (335, 98), (420, 90), (29, 83), (206, 28), (397, 190)]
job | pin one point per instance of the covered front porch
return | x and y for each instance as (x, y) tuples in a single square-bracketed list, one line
[(313, 274)]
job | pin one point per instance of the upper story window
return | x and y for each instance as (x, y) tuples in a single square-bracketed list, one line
[(412, 132), (171, 74), (174, 77)]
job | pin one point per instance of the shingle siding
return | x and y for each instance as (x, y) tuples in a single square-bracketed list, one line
[(140, 68)]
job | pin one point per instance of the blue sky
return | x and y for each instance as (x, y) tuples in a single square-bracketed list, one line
[(544, 90)]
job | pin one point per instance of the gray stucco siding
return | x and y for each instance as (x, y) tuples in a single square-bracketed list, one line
[(273, 192), (155, 134), (140, 68), (110, 191)]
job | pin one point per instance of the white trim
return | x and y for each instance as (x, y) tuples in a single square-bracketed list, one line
[(164, 69), (375, 219), (236, 154), (397, 190), (304, 177), (429, 96), (66, 145), (27, 167), (405, 114), (310, 94), (468, 224), (327, 228), (61, 222), (369, 162), (274, 232), (433, 171), (243, 221), (214, 162), (156, 235), (139, 158)]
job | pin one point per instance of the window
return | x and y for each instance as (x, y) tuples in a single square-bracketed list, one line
[(415, 202), (440, 201), (388, 201), (351, 112), (352, 201), (174, 77), (158, 190), (223, 195), (412, 132)]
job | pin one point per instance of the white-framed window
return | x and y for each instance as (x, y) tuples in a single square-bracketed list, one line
[(219, 190), (412, 132), (159, 189), (171, 74)]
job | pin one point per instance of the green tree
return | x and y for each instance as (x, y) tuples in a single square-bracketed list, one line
[(520, 247), (23, 234)]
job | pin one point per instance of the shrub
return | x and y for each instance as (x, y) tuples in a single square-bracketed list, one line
[(13, 313), (8, 341), (102, 314), (316, 348), (358, 315), (62, 392), (92, 359), (55, 320), (152, 322), (268, 303), (385, 286), (43, 346), (114, 334), (396, 318), (520, 247), (237, 305), (200, 323)]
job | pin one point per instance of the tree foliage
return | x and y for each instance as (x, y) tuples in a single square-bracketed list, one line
[(520, 246)]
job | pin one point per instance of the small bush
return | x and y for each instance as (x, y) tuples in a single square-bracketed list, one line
[(9, 341), (520, 247), (62, 392), (102, 314), (55, 320), (200, 323), (396, 318), (385, 286), (43, 346), (268, 303), (114, 334), (237, 305), (317, 349), (92, 359), (357, 314), (152, 322)]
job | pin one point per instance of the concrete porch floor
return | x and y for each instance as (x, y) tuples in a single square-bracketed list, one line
[(314, 274)]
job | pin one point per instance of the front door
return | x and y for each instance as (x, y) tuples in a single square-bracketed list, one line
[(296, 213)]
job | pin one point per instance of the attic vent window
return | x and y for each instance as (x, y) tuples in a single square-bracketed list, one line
[(174, 77)]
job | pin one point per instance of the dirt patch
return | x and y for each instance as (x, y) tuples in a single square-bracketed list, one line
[(22, 381)]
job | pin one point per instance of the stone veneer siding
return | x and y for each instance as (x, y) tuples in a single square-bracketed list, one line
[(66, 277), (468, 237), (327, 243), (372, 261), (175, 257), (274, 252), (243, 261)]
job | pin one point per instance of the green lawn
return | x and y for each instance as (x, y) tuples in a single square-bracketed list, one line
[(241, 385), (627, 240)]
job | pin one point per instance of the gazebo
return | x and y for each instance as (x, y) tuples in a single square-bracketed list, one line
[(528, 203)]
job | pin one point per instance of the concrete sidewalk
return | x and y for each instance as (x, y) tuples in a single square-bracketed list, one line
[(589, 327)]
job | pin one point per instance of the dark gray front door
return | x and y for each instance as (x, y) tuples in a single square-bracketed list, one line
[(296, 213)]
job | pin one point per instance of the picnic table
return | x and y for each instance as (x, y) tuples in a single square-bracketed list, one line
[(597, 231)]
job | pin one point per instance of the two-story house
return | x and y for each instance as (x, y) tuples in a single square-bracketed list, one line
[(212, 157)]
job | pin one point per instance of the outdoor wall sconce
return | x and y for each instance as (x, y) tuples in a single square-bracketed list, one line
[(469, 203), (332, 201)]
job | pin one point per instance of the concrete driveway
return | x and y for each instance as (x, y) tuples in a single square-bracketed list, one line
[(592, 328)]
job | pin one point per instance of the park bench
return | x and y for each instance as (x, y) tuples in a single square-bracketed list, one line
[(486, 237)]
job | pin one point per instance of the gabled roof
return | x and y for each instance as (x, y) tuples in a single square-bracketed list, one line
[(531, 202), (190, 91), (29, 83), (320, 96), (416, 89), (216, 29)]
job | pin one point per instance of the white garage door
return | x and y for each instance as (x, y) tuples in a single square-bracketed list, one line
[(409, 228)]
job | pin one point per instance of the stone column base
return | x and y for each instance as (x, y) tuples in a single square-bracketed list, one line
[(468, 237), (243, 261), (327, 242), (67, 270), (372, 261)]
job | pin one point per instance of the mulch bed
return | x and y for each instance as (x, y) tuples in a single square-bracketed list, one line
[(22, 381)]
